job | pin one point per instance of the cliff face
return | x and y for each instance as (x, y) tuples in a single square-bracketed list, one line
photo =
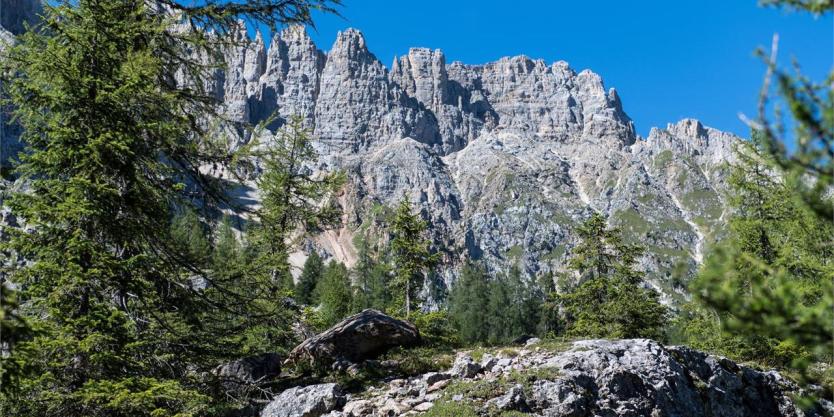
[(14, 16), (505, 159)]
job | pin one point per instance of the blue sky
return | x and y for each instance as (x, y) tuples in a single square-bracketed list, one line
[(667, 59)]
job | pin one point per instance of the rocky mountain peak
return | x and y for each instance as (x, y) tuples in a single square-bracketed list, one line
[(688, 128), (350, 45), (504, 159)]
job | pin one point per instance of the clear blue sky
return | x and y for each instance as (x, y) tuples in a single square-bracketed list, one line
[(667, 59)]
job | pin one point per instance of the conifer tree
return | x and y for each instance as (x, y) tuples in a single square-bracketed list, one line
[(769, 282), (310, 276), (191, 237), (609, 302), (371, 278), (412, 257), (497, 320), (291, 199), (335, 293), (467, 303), (228, 253), (110, 100), (525, 304)]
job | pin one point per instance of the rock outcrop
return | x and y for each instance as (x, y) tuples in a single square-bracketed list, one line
[(309, 401), (358, 337), (587, 378)]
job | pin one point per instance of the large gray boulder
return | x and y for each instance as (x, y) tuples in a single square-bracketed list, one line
[(250, 370), (358, 337), (309, 401)]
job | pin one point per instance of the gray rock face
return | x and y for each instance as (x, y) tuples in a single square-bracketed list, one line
[(14, 16), (465, 367), (309, 401), (360, 336), (505, 159)]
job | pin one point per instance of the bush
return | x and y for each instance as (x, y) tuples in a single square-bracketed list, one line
[(436, 328)]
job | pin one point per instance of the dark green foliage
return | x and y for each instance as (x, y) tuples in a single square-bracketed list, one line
[(493, 310), (228, 256), (609, 301), (290, 199), (770, 282), (525, 305), (436, 328), (111, 143), (335, 294), (411, 255), (467, 303), (813, 6), (371, 276), (190, 236), (550, 322), (13, 329), (310, 276)]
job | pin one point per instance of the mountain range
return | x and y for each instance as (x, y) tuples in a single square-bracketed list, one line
[(504, 159)]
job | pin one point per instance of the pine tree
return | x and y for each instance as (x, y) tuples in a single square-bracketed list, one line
[(772, 279), (411, 255), (335, 293), (190, 236), (467, 304), (13, 329), (525, 305), (113, 145), (550, 322), (228, 255), (497, 321), (609, 302), (371, 278), (310, 276)]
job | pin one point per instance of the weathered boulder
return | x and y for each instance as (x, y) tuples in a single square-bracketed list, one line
[(465, 367), (309, 401), (249, 370), (358, 337)]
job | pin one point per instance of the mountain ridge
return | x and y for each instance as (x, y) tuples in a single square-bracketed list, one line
[(555, 144), (504, 159)]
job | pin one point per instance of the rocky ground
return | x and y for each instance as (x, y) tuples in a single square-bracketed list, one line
[(585, 378)]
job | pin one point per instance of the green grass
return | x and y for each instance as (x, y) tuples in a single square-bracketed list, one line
[(514, 252), (556, 253), (452, 409), (662, 159)]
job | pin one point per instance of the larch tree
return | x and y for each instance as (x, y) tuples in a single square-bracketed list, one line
[(295, 201), (412, 255)]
